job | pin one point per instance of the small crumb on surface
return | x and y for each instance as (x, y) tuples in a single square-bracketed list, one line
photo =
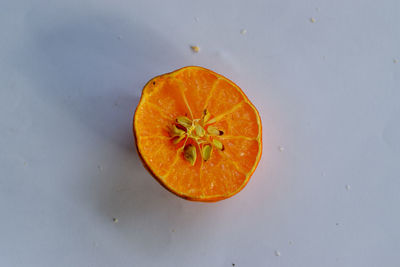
[(277, 253), (196, 19), (337, 224), (290, 242), (195, 48), (25, 163), (243, 31), (115, 220), (119, 37), (173, 230), (100, 168), (312, 20), (348, 187), (317, 9), (281, 148), (395, 61), (233, 264)]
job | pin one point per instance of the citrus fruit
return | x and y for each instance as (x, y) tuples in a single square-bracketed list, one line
[(198, 134)]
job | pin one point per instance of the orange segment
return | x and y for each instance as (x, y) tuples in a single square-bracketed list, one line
[(167, 94), (220, 176), (197, 86), (184, 178), (153, 113), (224, 98), (198, 134), (241, 152), (240, 122), (158, 153)]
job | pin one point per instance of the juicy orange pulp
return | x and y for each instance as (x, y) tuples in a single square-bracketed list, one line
[(191, 92)]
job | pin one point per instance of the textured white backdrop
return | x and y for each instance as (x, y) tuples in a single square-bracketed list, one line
[(328, 93)]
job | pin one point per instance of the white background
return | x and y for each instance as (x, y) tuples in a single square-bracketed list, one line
[(328, 93)]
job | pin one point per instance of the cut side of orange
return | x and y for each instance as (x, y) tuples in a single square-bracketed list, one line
[(198, 134)]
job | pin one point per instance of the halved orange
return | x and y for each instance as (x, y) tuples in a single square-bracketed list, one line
[(198, 134)]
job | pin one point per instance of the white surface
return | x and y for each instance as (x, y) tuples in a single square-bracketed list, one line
[(328, 92)]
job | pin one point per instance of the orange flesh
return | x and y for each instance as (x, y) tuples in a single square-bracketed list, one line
[(188, 92)]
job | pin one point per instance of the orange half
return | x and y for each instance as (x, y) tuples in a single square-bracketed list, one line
[(198, 134)]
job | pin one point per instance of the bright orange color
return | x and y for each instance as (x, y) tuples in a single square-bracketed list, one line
[(189, 92)]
